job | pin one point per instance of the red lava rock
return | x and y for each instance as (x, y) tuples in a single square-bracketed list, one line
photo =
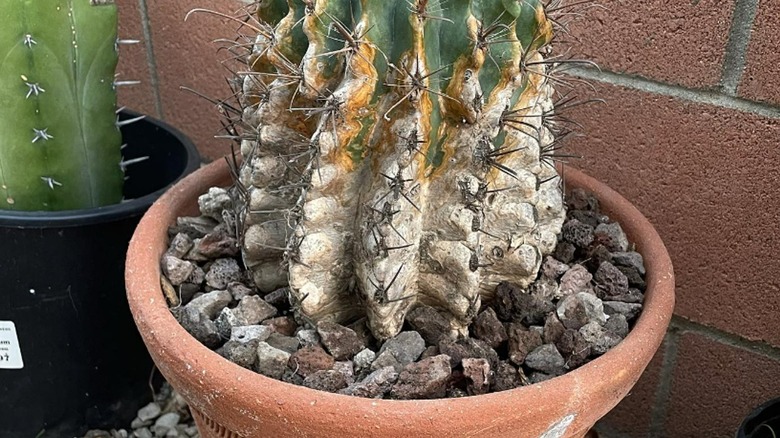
[(577, 233), (576, 310), (591, 218), (580, 199), (576, 279), (611, 280), (553, 329), (514, 303), (564, 251), (488, 328), (504, 302), (574, 348), (347, 369), (596, 255), (252, 310), (340, 341), (505, 377), (375, 385), (326, 380), (424, 379), (521, 342), (467, 348), (478, 375), (612, 236), (285, 325), (218, 244), (553, 268), (429, 323)]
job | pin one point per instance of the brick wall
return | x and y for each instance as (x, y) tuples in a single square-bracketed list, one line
[(690, 133)]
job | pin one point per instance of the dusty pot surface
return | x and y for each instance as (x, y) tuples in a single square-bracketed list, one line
[(230, 401)]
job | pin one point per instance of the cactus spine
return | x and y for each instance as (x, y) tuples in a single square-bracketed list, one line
[(59, 139), (394, 154)]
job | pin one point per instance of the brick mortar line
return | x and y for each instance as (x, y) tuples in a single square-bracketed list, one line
[(683, 325), (150, 58), (664, 390), (676, 91), (736, 48)]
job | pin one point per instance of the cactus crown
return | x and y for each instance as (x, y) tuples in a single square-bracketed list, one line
[(59, 139), (394, 153)]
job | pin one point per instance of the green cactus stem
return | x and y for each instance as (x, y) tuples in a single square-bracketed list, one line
[(59, 138), (394, 154)]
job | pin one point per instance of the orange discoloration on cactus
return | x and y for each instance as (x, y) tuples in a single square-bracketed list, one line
[(465, 68), (360, 66)]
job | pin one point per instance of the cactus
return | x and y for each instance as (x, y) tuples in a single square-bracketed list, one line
[(59, 137), (397, 153)]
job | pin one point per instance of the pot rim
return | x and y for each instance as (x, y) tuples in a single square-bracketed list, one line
[(161, 331)]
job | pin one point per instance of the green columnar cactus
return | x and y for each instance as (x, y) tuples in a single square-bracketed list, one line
[(59, 139), (394, 154)]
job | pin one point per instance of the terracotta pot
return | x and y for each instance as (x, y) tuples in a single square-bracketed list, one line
[(230, 401)]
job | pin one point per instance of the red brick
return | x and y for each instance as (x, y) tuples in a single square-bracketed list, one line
[(759, 82), (714, 386), (707, 178), (632, 416), (680, 42), (186, 56), (133, 64)]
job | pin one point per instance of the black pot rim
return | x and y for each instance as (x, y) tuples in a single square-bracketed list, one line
[(755, 413), (109, 213)]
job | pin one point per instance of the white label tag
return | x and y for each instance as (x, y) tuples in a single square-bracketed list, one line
[(10, 353)]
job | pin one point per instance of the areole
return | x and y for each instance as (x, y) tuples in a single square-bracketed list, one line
[(230, 401)]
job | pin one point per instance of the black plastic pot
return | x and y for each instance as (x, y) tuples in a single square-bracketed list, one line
[(763, 422), (61, 284)]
